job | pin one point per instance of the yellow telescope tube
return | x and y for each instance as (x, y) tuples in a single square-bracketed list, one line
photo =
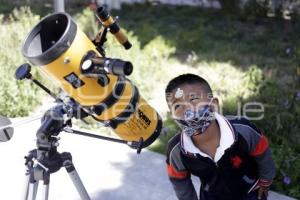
[(57, 45)]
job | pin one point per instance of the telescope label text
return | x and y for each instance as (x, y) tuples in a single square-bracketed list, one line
[(145, 119)]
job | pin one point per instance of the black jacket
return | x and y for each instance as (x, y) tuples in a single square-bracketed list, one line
[(247, 160)]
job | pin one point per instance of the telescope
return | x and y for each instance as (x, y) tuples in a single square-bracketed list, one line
[(95, 85)]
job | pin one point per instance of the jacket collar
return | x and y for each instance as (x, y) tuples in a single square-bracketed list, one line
[(227, 138)]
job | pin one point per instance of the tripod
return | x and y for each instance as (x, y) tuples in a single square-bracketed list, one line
[(46, 160), (40, 166)]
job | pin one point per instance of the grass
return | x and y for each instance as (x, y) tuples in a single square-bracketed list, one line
[(242, 43)]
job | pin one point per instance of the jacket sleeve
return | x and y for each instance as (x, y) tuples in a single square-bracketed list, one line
[(258, 147), (178, 174)]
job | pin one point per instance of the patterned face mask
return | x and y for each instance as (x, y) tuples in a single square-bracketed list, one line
[(196, 122)]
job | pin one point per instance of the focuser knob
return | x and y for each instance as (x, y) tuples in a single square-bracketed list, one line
[(23, 72)]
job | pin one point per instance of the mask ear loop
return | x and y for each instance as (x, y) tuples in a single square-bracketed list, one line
[(211, 100), (210, 103)]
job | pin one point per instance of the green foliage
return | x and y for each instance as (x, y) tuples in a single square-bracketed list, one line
[(230, 6), (18, 98), (87, 22), (149, 62), (281, 124), (252, 79), (170, 129), (256, 8)]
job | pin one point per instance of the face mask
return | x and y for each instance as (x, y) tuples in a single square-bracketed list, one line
[(196, 122)]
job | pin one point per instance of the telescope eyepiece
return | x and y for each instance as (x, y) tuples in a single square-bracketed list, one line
[(92, 65), (102, 13), (118, 67)]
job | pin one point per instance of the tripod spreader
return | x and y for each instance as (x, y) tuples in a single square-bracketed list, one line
[(133, 144)]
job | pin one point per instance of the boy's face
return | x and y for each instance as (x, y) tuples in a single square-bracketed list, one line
[(187, 96)]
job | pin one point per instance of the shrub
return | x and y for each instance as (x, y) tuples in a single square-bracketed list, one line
[(18, 98)]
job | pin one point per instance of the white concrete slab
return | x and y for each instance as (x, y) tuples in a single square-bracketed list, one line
[(109, 171)]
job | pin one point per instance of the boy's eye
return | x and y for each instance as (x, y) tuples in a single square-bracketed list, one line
[(196, 98), (176, 106)]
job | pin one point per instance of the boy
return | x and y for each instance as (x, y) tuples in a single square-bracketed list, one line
[(230, 156)]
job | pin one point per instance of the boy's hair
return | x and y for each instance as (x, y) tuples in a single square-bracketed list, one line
[(187, 79)]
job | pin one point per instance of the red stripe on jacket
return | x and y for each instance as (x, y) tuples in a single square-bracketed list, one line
[(172, 172), (261, 146)]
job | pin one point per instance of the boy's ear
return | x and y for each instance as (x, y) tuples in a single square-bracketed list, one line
[(215, 104)]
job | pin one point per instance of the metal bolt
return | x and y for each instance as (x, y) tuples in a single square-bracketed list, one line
[(67, 60)]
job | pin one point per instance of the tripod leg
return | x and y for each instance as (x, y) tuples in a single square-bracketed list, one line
[(32, 190), (76, 180), (31, 183), (44, 194), (27, 179), (45, 191)]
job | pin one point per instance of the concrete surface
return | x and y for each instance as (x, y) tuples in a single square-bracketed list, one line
[(109, 171)]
